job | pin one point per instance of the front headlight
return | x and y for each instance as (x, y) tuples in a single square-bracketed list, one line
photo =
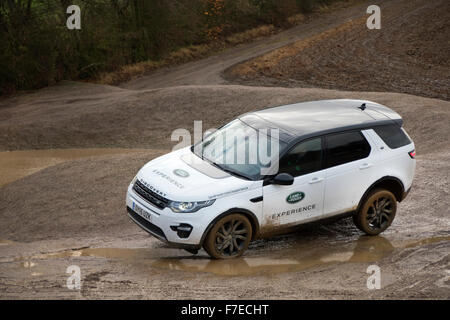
[(187, 207)]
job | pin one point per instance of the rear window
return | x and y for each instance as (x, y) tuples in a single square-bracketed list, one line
[(392, 135), (346, 147)]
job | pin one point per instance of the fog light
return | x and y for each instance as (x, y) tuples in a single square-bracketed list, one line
[(183, 230)]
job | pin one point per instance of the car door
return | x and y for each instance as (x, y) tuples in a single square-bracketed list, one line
[(303, 199), (350, 162)]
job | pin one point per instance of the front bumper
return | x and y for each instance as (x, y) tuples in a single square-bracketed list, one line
[(164, 223)]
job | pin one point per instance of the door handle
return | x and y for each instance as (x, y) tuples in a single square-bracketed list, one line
[(315, 180), (365, 166)]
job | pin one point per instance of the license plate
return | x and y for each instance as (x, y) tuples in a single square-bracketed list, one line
[(144, 214)]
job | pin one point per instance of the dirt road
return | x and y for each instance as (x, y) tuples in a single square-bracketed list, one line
[(69, 208)]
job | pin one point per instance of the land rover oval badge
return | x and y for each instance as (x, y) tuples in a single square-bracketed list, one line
[(295, 197), (181, 173)]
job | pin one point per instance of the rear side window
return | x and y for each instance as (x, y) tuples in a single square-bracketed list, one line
[(346, 147), (392, 135)]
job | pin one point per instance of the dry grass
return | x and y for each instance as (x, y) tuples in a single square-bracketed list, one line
[(129, 71), (251, 34), (189, 53), (296, 19)]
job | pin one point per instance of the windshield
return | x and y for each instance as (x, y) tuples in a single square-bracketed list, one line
[(242, 150)]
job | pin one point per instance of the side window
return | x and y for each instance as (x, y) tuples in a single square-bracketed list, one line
[(304, 158), (346, 147), (392, 135)]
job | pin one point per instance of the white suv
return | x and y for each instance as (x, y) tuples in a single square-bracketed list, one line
[(334, 157)]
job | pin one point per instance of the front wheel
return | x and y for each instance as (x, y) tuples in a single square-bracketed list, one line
[(377, 212), (229, 237)]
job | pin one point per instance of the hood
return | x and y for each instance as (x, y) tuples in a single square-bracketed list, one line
[(178, 178)]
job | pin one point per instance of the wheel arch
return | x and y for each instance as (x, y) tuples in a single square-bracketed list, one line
[(393, 184), (247, 213)]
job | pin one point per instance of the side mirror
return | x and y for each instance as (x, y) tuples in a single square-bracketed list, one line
[(283, 179)]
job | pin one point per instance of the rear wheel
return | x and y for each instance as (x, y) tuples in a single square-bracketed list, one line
[(229, 237), (377, 212)]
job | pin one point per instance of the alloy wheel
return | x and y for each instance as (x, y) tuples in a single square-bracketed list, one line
[(231, 237)]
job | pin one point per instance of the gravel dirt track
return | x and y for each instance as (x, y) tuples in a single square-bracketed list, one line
[(72, 212)]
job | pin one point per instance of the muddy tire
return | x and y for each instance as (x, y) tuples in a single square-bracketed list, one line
[(376, 212), (229, 237)]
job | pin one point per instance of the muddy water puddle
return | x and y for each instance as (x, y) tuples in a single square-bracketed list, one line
[(300, 256), (15, 165)]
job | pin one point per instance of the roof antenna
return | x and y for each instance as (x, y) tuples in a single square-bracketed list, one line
[(362, 107)]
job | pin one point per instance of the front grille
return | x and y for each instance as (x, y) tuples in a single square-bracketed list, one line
[(146, 225), (149, 195)]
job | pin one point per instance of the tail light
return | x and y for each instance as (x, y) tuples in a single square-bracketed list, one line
[(412, 154)]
